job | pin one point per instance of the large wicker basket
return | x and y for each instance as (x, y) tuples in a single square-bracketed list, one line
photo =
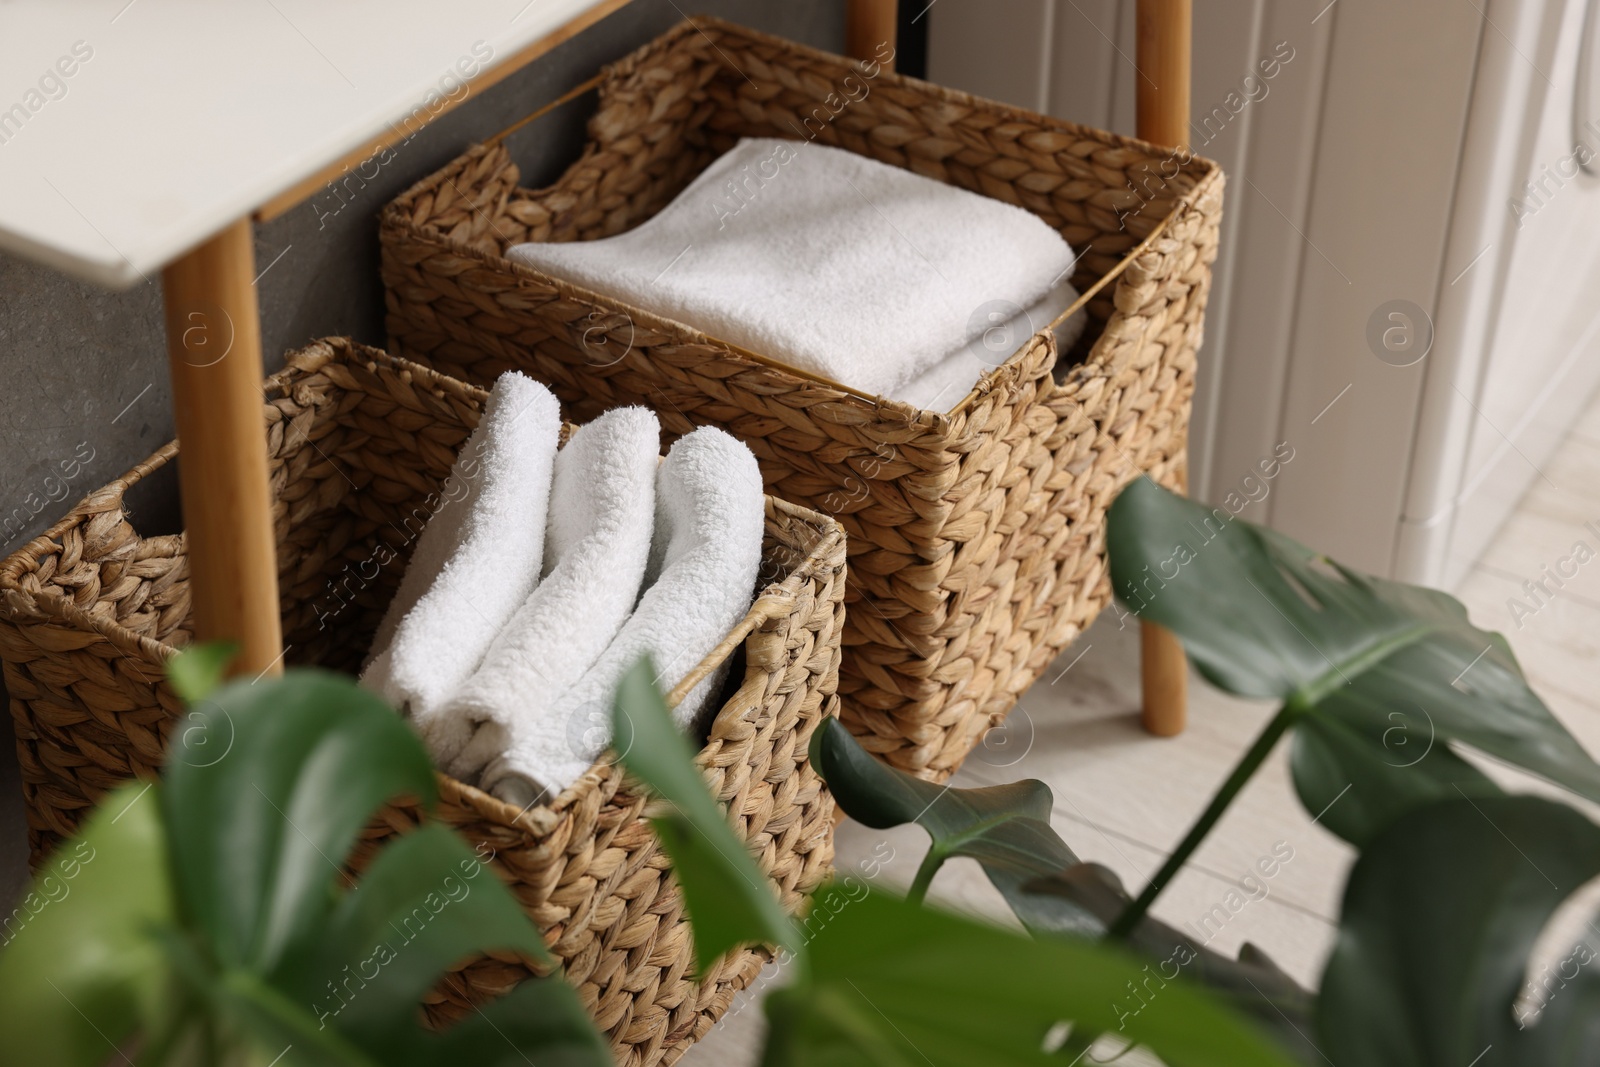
[(359, 442), (976, 534)]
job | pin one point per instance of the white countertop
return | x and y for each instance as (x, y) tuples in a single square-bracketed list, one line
[(132, 131)]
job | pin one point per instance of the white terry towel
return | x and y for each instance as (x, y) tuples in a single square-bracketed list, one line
[(843, 266), (602, 506), (478, 555), (941, 387), (710, 514)]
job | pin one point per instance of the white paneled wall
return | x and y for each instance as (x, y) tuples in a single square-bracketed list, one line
[(1342, 155), (1388, 154), (1074, 59), (1525, 274)]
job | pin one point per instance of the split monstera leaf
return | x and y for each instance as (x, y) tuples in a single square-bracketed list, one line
[(1378, 679), (1383, 687)]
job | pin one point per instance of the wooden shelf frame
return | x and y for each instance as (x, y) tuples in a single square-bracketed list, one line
[(1164, 41), (214, 350)]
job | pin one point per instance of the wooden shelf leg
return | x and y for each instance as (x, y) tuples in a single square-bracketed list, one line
[(1164, 32), (214, 357), (868, 25), (1164, 678)]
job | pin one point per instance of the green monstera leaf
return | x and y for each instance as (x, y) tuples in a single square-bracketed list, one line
[(1252, 984), (209, 921), (427, 901), (197, 671), (81, 964), (890, 982), (1006, 828), (267, 786), (730, 902), (884, 981), (1379, 678), (1440, 915), (1337, 776)]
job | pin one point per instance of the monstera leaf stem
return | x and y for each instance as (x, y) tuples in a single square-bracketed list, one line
[(948, 845), (931, 862), (1242, 773)]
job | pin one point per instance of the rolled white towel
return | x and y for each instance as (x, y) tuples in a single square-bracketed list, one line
[(710, 514), (478, 555), (838, 264), (947, 382), (602, 506)]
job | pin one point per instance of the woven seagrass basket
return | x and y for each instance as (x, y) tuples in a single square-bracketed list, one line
[(359, 444), (976, 534)]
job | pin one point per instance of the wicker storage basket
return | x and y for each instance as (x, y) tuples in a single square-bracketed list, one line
[(359, 442), (976, 534)]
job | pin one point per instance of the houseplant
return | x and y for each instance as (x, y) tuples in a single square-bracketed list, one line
[(205, 918), (1383, 686), (196, 935)]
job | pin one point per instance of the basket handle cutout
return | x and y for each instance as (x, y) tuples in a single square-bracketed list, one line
[(774, 603)]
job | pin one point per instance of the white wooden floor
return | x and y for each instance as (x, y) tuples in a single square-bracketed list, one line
[(1124, 798)]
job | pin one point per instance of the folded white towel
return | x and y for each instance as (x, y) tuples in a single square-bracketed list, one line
[(947, 382), (478, 555), (710, 514), (602, 507), (849, 268)]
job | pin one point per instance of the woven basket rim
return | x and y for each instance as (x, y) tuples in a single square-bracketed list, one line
[(697, 24), (1205, 172), (20, 604)]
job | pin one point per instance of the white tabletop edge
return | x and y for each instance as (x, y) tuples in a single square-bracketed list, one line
[(229, 176)]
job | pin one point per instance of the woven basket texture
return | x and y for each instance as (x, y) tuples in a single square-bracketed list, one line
[(977, 534), (360, 444)]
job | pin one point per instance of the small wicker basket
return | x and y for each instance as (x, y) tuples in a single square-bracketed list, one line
[(359, 442), (977, 534)]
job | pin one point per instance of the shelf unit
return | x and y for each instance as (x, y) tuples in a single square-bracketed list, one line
[(278, 117)]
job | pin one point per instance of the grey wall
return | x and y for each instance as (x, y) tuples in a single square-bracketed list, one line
[(83, 371)]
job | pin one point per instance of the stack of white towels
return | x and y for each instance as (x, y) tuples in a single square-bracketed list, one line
[(546, 574), (866, 274)]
